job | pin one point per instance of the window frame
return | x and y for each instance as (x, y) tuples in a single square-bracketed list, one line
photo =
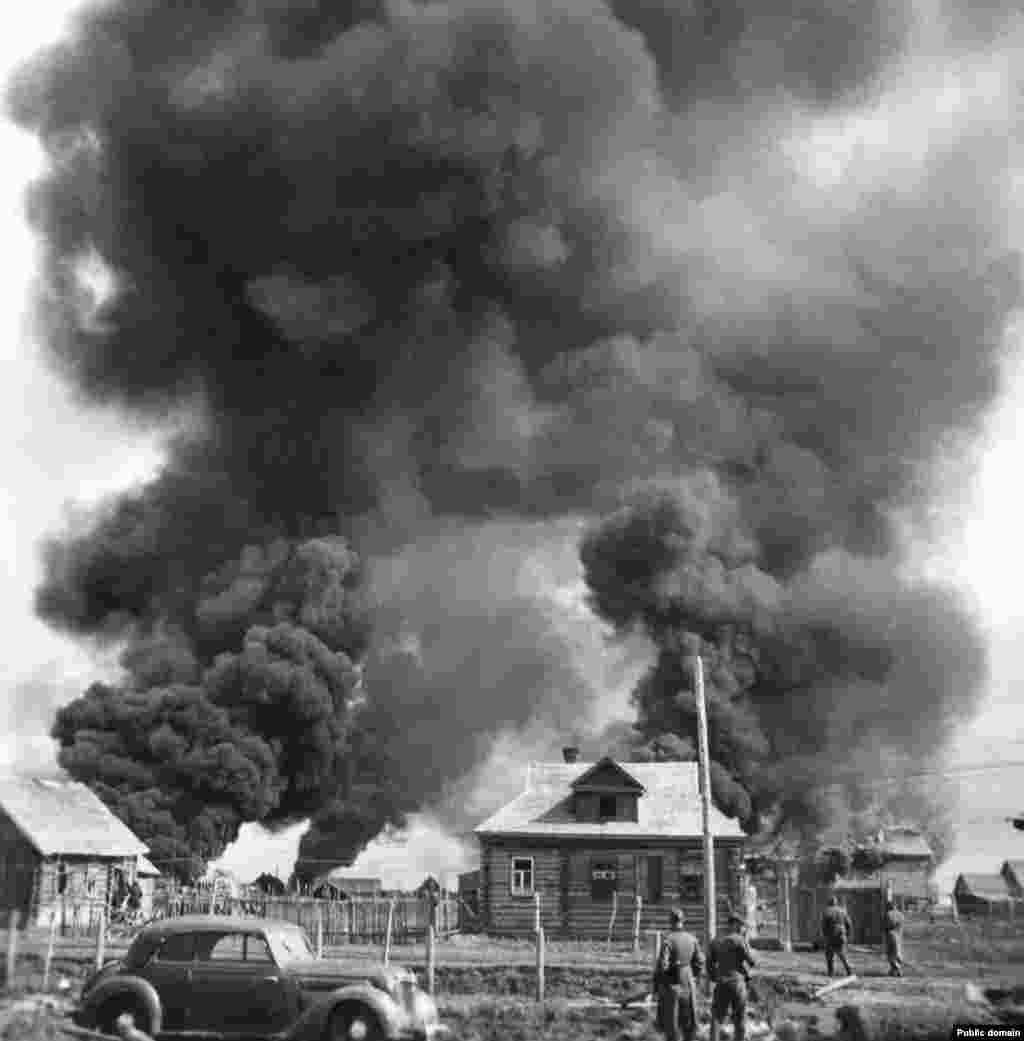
[(520, 890), (604, 893), (603, 803)]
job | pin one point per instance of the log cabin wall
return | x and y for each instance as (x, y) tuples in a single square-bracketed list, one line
[(19, 867), (576, 879)]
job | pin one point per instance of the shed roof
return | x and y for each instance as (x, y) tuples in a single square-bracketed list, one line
[(991, 887), (65, 817), (669, 807)]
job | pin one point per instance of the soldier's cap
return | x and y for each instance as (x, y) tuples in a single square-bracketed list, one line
[(677, 917)]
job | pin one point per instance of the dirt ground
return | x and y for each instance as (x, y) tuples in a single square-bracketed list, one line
[(486, 990)]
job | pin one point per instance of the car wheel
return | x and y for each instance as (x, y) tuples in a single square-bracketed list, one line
[(112, 1011), (355, 1022)]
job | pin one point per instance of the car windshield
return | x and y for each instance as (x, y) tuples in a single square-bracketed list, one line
[(292, 944)]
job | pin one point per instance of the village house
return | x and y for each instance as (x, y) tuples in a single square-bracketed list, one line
[(909, 865), (1013, 874), (981, 894), (590, 839), (60, 850)]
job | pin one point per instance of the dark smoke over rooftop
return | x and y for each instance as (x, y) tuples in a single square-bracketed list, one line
[(436, 278)]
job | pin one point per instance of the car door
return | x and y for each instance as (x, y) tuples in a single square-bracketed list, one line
[(237, 987), (169, 969)]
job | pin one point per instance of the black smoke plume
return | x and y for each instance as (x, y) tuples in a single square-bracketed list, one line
[(425, 273)]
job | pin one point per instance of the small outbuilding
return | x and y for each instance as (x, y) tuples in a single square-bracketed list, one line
[(981, 894), (1013, 875)]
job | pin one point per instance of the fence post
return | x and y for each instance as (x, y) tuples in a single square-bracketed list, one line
[(431, 957), (636, 922), (101, 937), (13, 924), (387, 931), (319, 930), (611, 920), (536, 911), (540, 965), (657, 945), (49, 948)]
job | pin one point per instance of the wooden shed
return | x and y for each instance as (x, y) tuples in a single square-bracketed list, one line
[(981, 894), (592, 841), (1013, 875), (61, 850)]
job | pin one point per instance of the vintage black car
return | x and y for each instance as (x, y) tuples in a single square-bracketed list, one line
[(252, 978)]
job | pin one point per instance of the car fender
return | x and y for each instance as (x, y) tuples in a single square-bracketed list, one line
[(313, 1023), (139, 990)]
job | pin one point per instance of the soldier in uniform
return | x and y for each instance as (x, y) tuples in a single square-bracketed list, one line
[(729, 961), (678, 966), (835, 931), (893, 925)]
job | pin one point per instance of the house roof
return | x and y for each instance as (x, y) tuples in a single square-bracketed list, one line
[(906, 842), (598, 777), (669, 807), (991, 887), (147, 869), (65, 817)]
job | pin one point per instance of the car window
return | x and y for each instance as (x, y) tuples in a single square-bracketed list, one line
[(229, 947), (256, 949), (293, 944), (176, 947)]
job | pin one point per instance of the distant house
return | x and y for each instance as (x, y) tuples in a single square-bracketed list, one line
[(981, 894), (590, 837), (61, 850), (1013, 875), (337, 885), (909, 864)]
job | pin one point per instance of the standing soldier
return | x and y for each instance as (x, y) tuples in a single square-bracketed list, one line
[(728, 959), (893, 925), (676, 970), (835, 931)]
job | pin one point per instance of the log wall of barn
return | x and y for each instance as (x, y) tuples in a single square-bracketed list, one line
[(563, 877), (19, 866)]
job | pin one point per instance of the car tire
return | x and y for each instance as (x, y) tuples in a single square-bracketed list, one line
[(109, 1013), (355, 1021)]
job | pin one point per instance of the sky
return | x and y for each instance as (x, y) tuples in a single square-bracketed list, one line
[(57, 456)]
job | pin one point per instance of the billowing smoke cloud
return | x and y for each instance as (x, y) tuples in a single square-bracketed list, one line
[(440, 278)]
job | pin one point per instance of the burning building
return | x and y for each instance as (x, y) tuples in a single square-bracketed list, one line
[(436, 283)]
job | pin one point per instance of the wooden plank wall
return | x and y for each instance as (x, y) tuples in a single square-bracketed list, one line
[(563, 878), (19, 864)]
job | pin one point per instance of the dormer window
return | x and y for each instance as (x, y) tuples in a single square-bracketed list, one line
[(606, 808)]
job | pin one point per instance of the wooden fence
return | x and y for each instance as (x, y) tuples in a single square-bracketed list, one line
[(360, 920)]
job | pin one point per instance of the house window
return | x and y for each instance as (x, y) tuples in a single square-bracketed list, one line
[(604, 879), (522, 876), (62, 878), (606, 808)]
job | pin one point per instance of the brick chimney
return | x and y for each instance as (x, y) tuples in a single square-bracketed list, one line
[(571, 754)]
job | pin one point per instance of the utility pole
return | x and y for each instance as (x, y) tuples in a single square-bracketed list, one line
[(710, 924)]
